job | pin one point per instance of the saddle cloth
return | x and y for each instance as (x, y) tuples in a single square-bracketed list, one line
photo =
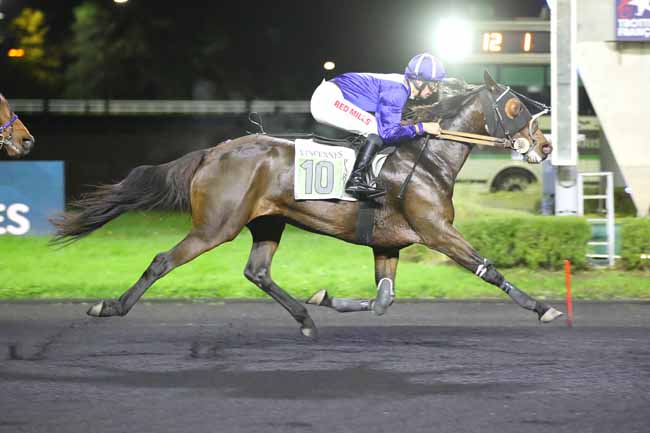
[(321, 171)]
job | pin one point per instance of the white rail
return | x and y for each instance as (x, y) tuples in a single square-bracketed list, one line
[(159, 106)]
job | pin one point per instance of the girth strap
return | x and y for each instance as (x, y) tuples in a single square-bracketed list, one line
[(365, 222)]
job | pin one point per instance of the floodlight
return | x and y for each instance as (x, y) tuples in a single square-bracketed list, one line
[(453, 39), (329, 65)]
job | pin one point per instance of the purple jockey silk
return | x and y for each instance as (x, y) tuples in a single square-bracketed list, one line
[(382, 94), (632, 20)]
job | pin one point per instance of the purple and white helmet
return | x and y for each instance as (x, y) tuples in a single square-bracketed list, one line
[(425, 67)]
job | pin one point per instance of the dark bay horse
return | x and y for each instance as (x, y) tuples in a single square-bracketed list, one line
[(14, 135), (248, 182)]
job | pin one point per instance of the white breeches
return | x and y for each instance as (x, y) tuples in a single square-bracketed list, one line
[(328, 106)]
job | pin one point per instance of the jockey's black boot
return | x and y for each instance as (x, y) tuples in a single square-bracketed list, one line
[(359, 183)]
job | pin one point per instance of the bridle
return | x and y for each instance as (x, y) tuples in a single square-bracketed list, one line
[(498, 126), (502, 126), (6, 140)]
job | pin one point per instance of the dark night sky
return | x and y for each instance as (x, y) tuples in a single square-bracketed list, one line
[(349, 30), (359, 35)]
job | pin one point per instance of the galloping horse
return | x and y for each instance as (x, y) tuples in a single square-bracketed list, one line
[(14, 136), (249, 181)]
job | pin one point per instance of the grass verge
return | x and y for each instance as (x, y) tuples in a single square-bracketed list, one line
[(109, 261)]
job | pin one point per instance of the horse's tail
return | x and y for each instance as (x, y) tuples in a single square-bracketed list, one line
[(165, 186)]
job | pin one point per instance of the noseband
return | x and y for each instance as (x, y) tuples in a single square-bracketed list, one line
[(7, 140)]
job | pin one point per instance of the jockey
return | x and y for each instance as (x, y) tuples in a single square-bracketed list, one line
[(347, 100)]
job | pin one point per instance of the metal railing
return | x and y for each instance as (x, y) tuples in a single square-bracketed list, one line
[(162, 106)]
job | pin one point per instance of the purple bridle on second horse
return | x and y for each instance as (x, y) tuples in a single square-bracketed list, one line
[(9, 125)]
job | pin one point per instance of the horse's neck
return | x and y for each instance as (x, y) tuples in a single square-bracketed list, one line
[(450, 156)]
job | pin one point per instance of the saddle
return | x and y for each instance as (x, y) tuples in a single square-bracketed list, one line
[(332, 136)]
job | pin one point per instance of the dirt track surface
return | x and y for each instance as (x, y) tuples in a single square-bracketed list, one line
[(244, 367)]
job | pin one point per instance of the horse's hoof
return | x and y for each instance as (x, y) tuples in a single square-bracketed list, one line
[(96, 310), (308, 328), (385, 296), (319, 298), (550, 315), (309, 332)]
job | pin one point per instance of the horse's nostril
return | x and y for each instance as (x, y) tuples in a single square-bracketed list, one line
[(546, 149), (28, 144)]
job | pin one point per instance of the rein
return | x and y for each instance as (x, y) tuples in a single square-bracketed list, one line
[(464, 137), (521, 145), (468, 137)]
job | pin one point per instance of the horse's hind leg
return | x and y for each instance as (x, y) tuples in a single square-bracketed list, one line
[(220, 211), (267, 232), (385, 269), (194, 244)]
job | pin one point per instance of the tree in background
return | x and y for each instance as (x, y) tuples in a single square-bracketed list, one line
[(149, 50), (143, 50), (84, 76), (98, 52), (136, 51), (37, 72)]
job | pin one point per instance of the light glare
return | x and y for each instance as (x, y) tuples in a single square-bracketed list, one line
[(329, 65), (453, 39)]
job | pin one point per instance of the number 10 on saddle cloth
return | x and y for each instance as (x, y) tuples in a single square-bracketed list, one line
[(321, 172)]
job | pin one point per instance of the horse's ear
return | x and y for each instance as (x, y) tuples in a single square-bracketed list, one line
[(489, 81)]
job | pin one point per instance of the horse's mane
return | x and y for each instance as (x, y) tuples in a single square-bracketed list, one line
[(446, 108)]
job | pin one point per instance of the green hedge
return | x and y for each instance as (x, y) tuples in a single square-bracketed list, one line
[(635, 243), (535, 242)]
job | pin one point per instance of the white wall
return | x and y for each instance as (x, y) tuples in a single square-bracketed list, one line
[(616, 76)]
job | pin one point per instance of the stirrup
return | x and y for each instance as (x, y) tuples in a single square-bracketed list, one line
[(379, 193), (366, 195), (362, 189)]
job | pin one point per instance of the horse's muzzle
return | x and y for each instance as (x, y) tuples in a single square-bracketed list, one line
[(28, 145), (546, 149)]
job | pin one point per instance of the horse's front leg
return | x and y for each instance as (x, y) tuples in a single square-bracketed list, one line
[(385, 270), (450, 242)]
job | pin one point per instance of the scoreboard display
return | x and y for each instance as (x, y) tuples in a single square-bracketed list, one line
[(508, 42)]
